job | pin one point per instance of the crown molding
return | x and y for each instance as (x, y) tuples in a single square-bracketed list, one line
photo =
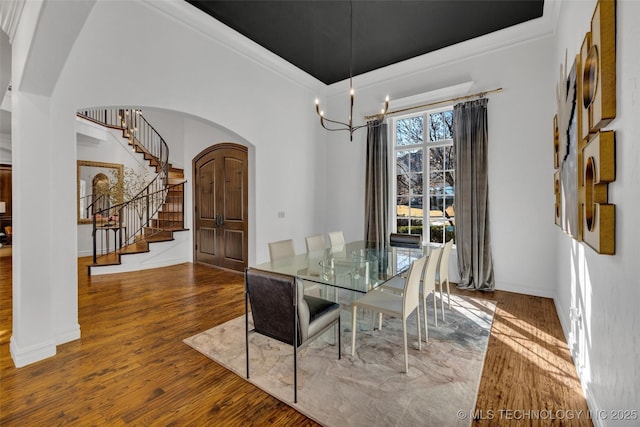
[(498, 40), (228, 38), (10, 12)]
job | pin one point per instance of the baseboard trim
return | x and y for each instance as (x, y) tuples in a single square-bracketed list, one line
[(526, 290), (123, 268), (69, 335), (35, 353)]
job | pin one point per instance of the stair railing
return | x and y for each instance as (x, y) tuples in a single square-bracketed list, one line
[(137, 221), (133, 220)]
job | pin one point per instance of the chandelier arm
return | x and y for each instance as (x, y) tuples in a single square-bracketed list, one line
[(334, 130), (355, 128), (349, 127), (334, 121)]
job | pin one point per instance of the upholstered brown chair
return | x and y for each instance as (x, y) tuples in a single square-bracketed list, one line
[(281, 311)]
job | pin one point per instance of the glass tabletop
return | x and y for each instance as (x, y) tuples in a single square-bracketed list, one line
[(355, 266)]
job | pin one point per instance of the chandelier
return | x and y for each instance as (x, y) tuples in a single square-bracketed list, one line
[(348, 126)]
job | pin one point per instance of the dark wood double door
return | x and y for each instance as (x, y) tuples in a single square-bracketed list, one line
[(220, 206)]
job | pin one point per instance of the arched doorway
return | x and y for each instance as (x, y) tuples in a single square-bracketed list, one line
[(220, 177)]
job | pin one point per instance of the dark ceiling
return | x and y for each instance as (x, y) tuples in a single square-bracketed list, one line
[(314, 34)]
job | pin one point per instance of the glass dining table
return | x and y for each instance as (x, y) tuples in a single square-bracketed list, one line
[(356, 266)]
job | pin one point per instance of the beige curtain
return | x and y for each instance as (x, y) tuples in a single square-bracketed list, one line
[(473, 239), (376, 185)]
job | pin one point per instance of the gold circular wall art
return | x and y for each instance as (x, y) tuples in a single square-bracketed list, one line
[(557, 193), (589, 179), (590, 77)]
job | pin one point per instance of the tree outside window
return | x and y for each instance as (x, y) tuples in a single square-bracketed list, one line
[(414, 206)]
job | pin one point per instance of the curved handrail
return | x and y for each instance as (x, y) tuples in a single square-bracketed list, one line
[(143, 207)]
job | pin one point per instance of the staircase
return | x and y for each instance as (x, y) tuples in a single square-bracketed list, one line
[(149, 216)]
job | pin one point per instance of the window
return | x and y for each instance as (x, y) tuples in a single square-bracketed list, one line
[(424, 190)]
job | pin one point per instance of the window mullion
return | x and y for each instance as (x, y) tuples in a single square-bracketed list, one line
[(426, 170)]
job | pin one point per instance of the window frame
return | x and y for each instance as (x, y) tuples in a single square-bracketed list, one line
[(425, 146)]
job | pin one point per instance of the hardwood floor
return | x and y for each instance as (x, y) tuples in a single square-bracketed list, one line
[(131, 367)]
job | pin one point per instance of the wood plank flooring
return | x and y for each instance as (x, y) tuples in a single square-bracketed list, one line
[(131, 367)]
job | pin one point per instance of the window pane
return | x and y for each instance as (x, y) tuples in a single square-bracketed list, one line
[(424, 203), (415, 157), (410, 131), (449, 190), (416, 226), (448, 124), (403, 161), (449, 157), (416, 184), (402, 185), (436, 232), (409, 161), (436, 159), (441, 126), (436, 179)]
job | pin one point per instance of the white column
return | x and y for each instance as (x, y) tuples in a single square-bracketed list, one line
[(45, 296), (32, 338), (64, 223)]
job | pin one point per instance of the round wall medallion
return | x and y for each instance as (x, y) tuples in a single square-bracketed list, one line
[(557, 191), (589, 179), (590, 76)]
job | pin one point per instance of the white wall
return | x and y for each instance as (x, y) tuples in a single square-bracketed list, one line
[(604, 340), (98, 144), (173, 67), (180, 70), (520, 162)]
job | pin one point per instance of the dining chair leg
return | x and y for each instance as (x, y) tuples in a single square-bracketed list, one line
[(404, 337), (435, 309), (448, 295), (353, 329), (419, 331), (339, 339), (442, 303), (426, 326)]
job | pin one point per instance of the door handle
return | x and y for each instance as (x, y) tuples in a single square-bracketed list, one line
[(219, 220)]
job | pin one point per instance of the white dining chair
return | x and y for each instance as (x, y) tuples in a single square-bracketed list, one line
[(314, 243), (336, 238), (315, 248), (281, 249), (428, 285), (394, 305), (443, 275)]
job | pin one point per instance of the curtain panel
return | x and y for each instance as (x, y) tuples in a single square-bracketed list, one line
[(473, 237), (376, 184)]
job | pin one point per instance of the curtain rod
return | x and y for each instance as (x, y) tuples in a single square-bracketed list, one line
[(479, 95)]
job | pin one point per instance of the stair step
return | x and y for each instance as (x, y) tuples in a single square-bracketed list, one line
[(171, 207), (170, 217), (169, 226)]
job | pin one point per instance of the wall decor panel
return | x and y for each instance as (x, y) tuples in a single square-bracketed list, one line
[(598, 171)]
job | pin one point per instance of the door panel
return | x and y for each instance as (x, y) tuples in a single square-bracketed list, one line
[(220, 176), (233, 189)]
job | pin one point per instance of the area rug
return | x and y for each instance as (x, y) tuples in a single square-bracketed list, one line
[(369, 388)]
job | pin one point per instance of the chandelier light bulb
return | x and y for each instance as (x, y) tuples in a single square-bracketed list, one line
[(336, 125)]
